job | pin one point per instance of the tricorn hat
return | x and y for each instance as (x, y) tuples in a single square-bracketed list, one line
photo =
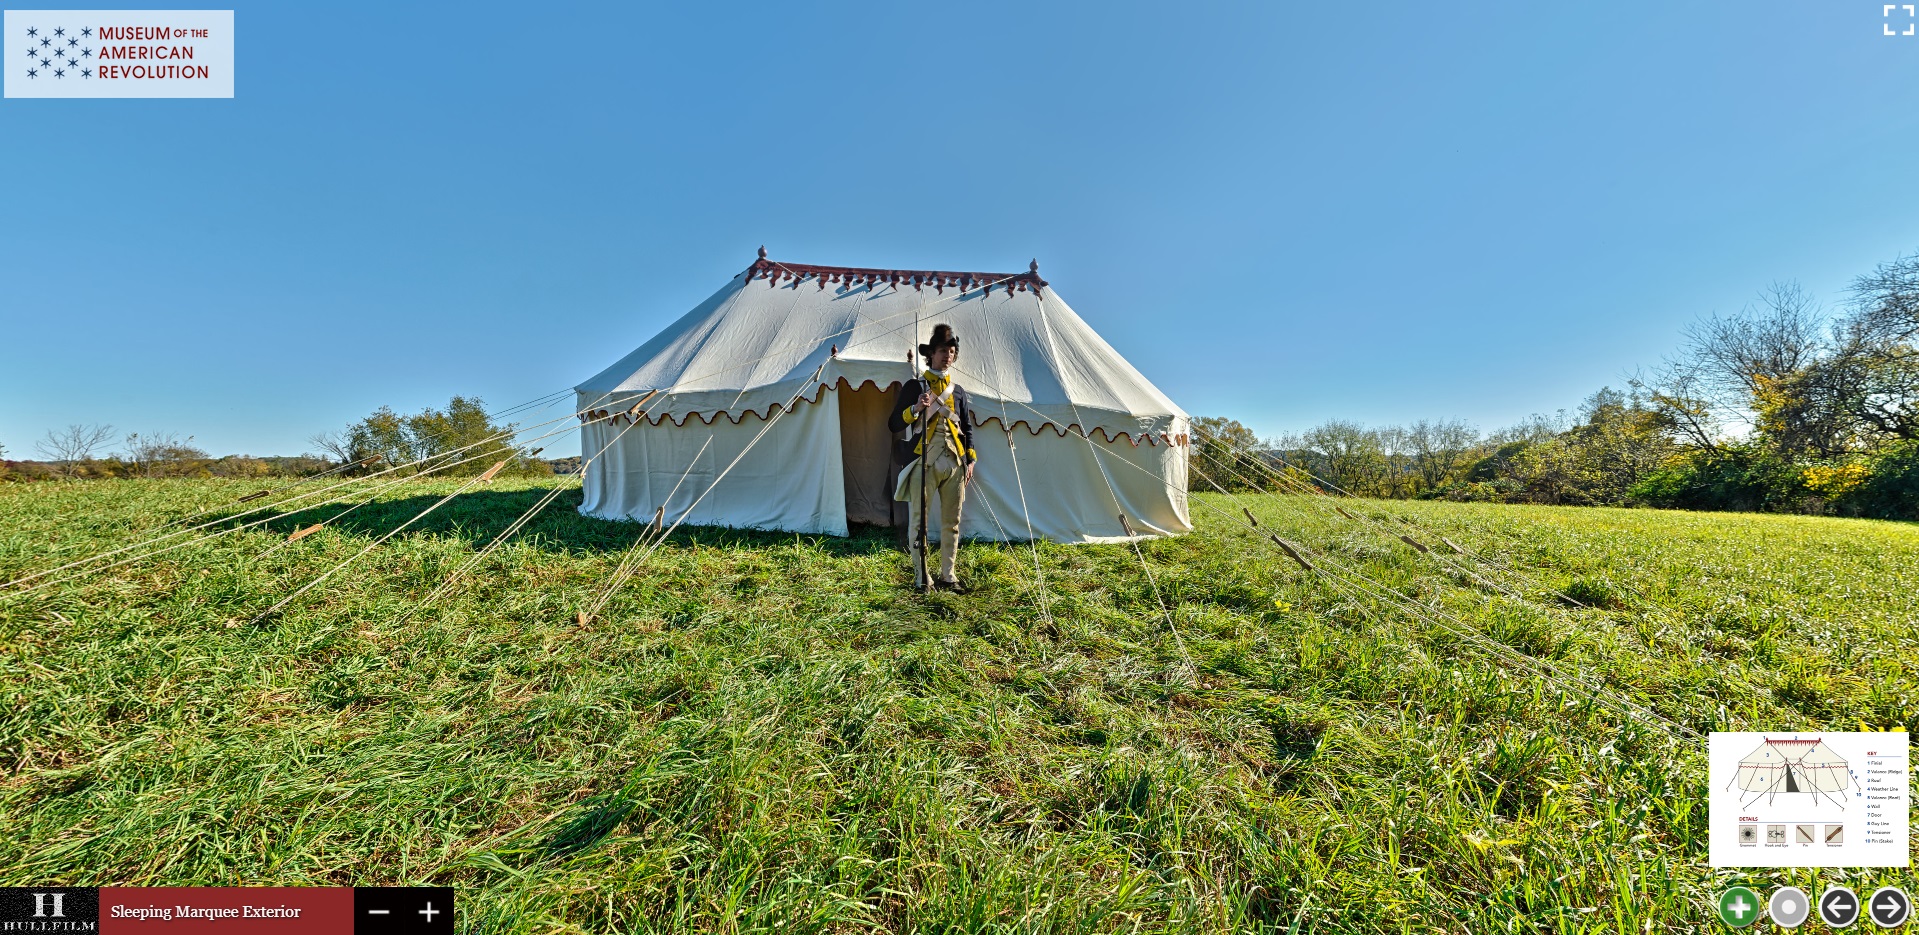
[(942, 337)]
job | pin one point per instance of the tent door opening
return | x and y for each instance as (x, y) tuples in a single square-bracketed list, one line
[(866, 450)]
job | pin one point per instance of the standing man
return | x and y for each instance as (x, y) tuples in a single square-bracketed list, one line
[(934, 403)]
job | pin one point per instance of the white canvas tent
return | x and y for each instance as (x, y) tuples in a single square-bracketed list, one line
[(1792, 766), (765, 407)]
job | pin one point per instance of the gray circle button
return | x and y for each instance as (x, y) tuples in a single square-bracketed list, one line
[(1889, 906), (1788, 907), (1839, 906)]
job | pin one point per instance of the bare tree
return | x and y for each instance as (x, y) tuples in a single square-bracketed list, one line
[(155, 451), (1736, 355), (1535, 429), (1226, 454), (1346, 453), (1440, 450), (73, 445), (1398, 461), (1777, 366), (1886, 301), (1680, 389), (1875, 364), (334, 444)]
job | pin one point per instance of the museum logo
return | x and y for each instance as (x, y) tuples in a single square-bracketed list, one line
[(118, 53)]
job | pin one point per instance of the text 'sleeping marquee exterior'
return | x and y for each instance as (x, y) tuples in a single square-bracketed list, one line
[(759, 409)]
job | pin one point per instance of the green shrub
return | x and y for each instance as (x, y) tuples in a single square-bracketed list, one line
[(1733, 477), (1891, 488), (1500, 490), (458, 440)]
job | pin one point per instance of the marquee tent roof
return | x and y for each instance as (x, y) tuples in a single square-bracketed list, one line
[(757, 342), (1802, 765)]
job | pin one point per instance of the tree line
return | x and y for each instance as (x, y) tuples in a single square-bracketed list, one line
[(1785, 406), (457, 440)]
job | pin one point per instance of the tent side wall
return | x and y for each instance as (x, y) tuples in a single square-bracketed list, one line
[(1824, 769), (1067, 494), (794, 479), (787, 481)]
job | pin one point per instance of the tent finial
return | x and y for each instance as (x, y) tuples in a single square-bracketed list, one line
[(1034, 267), (762, 251)]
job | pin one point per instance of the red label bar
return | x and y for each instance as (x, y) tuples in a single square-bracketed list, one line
[(234, 910)]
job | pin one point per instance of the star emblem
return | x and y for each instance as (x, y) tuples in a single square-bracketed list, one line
[(73, 42), (88, 32), (31, 53), (44, 42), (59, 31), (33, 73), (31, 32), (86, 53), (86, 72), (45, 62), (71, 63), (59, 73)]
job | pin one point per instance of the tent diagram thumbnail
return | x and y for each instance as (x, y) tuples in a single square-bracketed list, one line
[(1792, 767), (1809, 800)]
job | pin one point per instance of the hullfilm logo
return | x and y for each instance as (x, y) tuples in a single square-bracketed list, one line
[(49, 909)]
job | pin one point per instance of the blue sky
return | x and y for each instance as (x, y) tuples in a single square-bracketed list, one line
[(1280, 212)]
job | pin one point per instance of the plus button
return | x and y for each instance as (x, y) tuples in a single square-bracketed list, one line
[(1738, 907)]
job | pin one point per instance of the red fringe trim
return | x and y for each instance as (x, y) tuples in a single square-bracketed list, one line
[(773, 272)]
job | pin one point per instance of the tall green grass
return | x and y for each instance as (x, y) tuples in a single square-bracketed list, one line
[(774, 732)]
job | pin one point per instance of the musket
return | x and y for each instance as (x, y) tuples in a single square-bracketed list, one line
[(926, 450)]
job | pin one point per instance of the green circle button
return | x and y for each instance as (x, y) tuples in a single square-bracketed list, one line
[(1739, 907)]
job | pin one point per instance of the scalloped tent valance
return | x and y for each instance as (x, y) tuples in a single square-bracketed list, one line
[(629, 417)]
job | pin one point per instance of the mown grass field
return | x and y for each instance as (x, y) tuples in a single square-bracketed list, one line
[(770, 732)]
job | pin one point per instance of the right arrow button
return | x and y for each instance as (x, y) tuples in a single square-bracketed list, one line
[(1889, 906)]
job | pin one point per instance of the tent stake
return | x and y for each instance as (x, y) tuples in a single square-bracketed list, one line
[(1287, 547), (487, 478)]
